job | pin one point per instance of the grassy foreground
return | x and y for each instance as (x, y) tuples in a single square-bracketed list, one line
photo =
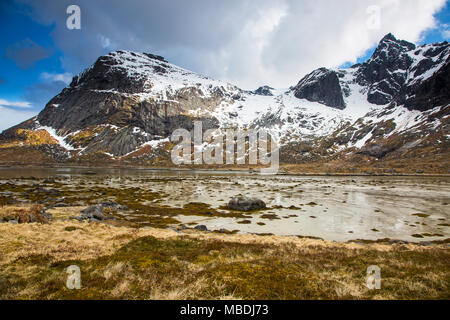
[(128, 263)]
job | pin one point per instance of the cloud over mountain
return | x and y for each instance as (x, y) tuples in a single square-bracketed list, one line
[(244, 42)]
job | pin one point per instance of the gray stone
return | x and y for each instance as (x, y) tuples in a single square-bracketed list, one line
[(264, 91), (93, 212), (321, 85), (113, 205), (246, 204), (201, 228), (398, 242), (61, 205)]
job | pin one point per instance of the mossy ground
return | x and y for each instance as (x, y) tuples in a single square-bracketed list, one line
[(128, 263)]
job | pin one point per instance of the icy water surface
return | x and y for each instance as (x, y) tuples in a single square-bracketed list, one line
[(332, 208)]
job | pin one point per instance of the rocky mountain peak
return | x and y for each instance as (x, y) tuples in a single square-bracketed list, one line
[(391, 40), (121, 71), (128, 103), (264, 91), (321, 85), (390, 49), (385, 72)]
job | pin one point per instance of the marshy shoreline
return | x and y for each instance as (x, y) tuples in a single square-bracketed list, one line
[(284, 170), (148, 246)]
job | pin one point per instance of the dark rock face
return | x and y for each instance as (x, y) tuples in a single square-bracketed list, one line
[(322, 85), (246, 204), (201, 228), (264, 91), (102, 77), (432, 92), (104, 95), (398, 70), (381, 72), (377, 151)]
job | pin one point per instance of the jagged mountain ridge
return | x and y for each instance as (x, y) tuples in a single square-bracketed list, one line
[(127, 104)]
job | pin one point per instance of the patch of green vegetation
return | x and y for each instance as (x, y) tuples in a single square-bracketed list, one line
[(421, 215), (70, 229), (248, 271), (270, 217)]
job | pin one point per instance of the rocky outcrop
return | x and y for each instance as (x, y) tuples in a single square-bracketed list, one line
[(434, 90), (246, 204), (201, 228), (376, 151), (322, 85), (96, 212), (118, 93), (264, 91), (385, 72), (401, 73)]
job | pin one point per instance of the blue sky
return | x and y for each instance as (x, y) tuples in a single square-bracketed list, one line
[(249, 44), (429, 36)]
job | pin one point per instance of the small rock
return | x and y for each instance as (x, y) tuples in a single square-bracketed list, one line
[(93, 214), (246, 204), (398, 242), (114, 205), (201, 228), (61, 205)]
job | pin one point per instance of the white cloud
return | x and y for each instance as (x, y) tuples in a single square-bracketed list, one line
[(105, 42), (20, 104), (9, 117), (330, 33), (246, 42), (446, 34), (445, 31), (55, 77)]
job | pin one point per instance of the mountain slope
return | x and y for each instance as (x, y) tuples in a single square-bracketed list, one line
[(125, 107)]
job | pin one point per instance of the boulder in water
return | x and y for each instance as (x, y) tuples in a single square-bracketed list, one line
[(246, 204)]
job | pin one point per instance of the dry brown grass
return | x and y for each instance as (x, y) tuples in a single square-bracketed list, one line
[(34, 213), (128, 263)]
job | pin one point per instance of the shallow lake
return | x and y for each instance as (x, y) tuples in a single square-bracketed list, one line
[(328, 207)]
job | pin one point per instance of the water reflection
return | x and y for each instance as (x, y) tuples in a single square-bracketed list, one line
[(333, 208)]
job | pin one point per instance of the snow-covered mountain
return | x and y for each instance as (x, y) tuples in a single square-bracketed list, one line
[(127, 104)]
